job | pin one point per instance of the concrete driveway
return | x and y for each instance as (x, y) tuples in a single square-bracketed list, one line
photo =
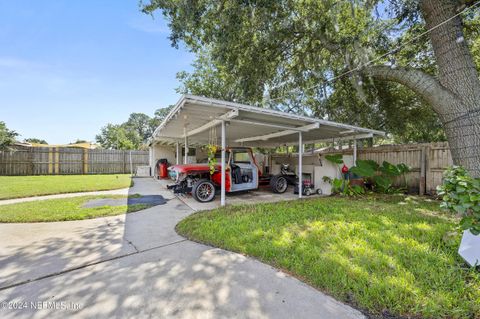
[(136, 266)]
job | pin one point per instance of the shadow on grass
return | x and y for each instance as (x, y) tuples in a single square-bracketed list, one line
[(380, 256)]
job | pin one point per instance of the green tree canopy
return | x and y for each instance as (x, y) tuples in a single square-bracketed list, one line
[(35, 140), (388, 73), (79, 141), (119, 137), (140, 123), (132, 134), (161, 114), (7, 137)]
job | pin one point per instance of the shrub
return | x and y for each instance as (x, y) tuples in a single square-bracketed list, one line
[(461, 194)]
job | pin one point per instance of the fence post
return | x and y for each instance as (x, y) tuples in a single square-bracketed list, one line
[(124, 153), (423, 175), (85, 161), (57, 160), (30, 159), (50, 161), (131, 165)]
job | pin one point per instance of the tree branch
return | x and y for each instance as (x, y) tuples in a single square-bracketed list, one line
[(425, 85)]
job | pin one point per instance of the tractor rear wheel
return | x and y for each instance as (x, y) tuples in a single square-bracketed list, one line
[(279, 184)]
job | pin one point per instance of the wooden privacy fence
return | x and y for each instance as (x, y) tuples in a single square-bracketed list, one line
[(428, 162), (66, 160)]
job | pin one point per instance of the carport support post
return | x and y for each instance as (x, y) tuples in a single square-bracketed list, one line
[(222, 180), (354, 152), (300, 165), (178, 152), (185, 159)]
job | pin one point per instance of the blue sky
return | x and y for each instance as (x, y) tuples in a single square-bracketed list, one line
[(69, 67)]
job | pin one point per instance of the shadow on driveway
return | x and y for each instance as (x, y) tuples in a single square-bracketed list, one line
[(32, 250)]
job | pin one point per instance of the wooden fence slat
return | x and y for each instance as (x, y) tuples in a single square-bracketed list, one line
[(66, 160)]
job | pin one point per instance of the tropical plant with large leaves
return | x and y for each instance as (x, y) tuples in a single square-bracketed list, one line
[(381, 175), (336, 159), (364, 168)]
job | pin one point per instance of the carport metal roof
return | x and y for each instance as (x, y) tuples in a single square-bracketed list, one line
[(193, 117)]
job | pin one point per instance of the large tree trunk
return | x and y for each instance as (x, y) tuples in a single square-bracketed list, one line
[(455, 93), (463, 134), (460, 121), (456, 69), (458, 74)]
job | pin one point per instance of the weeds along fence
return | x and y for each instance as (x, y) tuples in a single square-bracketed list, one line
[(66, 160), (427, 162)]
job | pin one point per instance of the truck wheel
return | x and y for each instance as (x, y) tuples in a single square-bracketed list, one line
[(278, 184), (203, 191), (308, 192)]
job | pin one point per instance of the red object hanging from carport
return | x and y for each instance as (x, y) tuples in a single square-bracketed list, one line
[(344, 169)]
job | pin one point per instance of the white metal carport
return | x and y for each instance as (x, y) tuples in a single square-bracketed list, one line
[(190, 121)]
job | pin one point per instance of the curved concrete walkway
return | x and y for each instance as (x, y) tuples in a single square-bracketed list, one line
[(136, 266), (122, 191)]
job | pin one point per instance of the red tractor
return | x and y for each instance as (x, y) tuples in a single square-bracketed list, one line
[(241, 174)]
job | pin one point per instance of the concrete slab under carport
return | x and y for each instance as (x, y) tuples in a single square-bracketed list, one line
[(261, 195)]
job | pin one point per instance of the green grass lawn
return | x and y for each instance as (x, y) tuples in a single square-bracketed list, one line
[(384, 255), (26, 186), (52, 210)]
